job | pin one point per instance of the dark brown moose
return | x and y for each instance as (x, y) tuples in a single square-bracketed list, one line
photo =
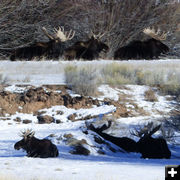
[(42, 148), (149, 147), (87, 50), (51, 49), (148, 49), (127, 144)]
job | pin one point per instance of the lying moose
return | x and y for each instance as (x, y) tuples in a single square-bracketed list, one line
[(42, 148), (52, 49), (125, 143), (149, 147), (149, 49), (87, 50)]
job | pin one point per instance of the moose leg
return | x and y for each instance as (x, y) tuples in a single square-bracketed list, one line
[(33, 154)]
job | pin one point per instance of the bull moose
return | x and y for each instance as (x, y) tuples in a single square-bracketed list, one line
[(149, 147), (127, 144), (148, 49), (42, 148), (87, 50), (51, 49)]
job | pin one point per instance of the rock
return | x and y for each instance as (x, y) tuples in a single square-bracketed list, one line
[(72, 117), (81, 150), (68, 136), (45, 119), (59, 112), (58, 121), (26, 121), (17, 119), (77, 145)]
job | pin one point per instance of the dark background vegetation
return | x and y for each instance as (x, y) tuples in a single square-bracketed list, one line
[(121, 20)]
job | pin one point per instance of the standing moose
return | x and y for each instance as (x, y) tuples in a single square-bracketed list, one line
[(87, 50), (149, 49), (51, 49), (42, 148)]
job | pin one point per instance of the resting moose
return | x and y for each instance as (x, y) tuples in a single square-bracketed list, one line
[(51, 49), (87, 50), (149, 49), (149, 147), (42, 148), (125, 143)]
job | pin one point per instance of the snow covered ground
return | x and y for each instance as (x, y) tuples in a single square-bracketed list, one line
[(14, 165)]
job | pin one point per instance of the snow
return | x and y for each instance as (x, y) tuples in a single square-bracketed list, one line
[(162, 105), (61, 169), (111, 166), (108, 92)]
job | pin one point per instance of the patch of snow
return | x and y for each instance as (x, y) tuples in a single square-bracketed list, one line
[(15, 89), (108, 92), (156, 108), (72, 93)]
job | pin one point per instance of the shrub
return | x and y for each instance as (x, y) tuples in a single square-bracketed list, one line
[(116, 74), (82, 80), (150, 95), (141, 74), (85, 80)]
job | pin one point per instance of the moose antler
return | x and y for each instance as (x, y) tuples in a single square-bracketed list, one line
[(47, 34), (27, 132), (158, 35), (97, 36), (60, 34), (146, 131)]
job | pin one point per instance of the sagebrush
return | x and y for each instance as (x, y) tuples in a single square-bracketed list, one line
[(82, 80)]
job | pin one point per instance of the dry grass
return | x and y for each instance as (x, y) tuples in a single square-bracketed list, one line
[(85, 79), (82, 80), (141, 73), (150, 95)]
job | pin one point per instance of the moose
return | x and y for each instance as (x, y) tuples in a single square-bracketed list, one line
[(87, 50), (149, 49), (125, 143), (42, 148), (149, 147), (51, 49)]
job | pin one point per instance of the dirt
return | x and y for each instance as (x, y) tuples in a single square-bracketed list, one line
[(35, 99)]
